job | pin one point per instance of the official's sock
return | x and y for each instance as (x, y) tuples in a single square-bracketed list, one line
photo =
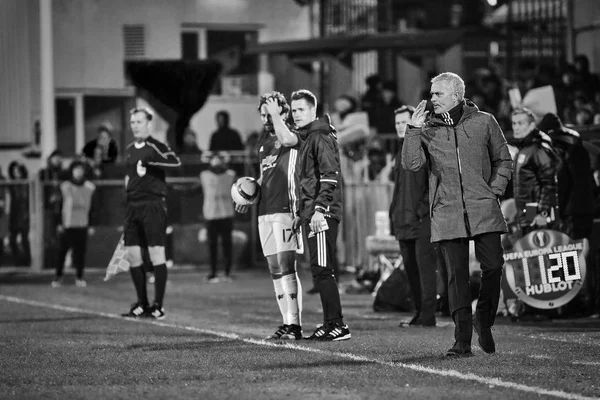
[(280, 296), (138, 276), (293, 291), (160, 283)]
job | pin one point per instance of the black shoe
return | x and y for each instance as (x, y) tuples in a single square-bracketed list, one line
[(424, 322), (281, 330), (337, 333), (412, 322), (137, 310), (156, 312), (486, 340), (460, 349), (319, 333), (294, 332)]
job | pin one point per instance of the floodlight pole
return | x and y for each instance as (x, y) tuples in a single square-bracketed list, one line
[(48, 121)]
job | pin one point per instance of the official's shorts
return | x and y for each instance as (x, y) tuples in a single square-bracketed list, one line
[(276, 235), (145, 224)]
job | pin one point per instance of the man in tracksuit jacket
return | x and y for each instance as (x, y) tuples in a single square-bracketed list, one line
[(320, 207), (469, 168)]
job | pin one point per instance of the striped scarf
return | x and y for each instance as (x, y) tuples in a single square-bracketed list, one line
[(452, 117)]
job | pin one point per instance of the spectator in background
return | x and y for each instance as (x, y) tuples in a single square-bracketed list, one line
[(19, 214), (491, 91), (575, 179), (103, 149), (190, 143), (225, 138), (390, 102), (373, 98), (76, 222), (352, 131), (51, 177), (3, 214), (535, 172), (217, 207), (585, 81), (378, 165)]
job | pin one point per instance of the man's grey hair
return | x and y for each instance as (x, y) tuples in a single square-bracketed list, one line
[(458, 85)]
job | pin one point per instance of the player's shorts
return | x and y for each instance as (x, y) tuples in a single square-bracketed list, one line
[(145, 224), (276, 236)]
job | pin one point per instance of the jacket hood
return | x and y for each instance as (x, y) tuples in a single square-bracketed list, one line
[(535, 136), (322, 125), (566, 136)]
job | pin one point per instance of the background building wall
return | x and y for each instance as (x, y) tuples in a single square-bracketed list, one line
[(89, 51)]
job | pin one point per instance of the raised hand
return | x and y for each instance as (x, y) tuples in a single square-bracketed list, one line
[(418, 118), (273, 107)]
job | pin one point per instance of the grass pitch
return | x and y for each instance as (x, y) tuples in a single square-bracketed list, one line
[(71, 343)]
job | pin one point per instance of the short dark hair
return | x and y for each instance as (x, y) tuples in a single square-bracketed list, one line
[(306, 95), (145, 110), (281, 101), (404, 109)]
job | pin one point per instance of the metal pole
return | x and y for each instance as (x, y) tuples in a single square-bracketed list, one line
[(48, 122), (570, 33), (509, 41)]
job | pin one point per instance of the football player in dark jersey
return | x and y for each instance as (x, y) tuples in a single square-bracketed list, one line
[(277, 153), (146, 211)]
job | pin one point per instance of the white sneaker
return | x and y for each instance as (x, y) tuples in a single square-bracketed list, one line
[(56, 283), (80, 283)]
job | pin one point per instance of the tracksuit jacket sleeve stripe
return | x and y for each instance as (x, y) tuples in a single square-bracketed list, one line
[(329, 169), (163, 156)]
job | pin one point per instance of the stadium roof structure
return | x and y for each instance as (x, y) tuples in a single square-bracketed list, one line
[(413, 42)]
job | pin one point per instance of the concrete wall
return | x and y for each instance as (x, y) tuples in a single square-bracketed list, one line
[(88, 34)]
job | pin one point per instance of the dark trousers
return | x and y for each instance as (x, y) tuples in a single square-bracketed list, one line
[(488, 252), (220, 228), (322, 251), (21, 253), (420, 263), (74, 239)]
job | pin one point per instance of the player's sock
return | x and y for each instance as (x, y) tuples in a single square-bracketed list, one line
[(138, 276), (160, 283), (292, 290), (281, 297)]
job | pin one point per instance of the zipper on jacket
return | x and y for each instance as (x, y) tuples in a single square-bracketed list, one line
[(462, 189)]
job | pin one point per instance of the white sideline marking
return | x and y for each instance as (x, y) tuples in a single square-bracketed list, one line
[(414, 367)]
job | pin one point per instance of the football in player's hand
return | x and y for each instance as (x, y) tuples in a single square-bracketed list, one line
[(245, 191)]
